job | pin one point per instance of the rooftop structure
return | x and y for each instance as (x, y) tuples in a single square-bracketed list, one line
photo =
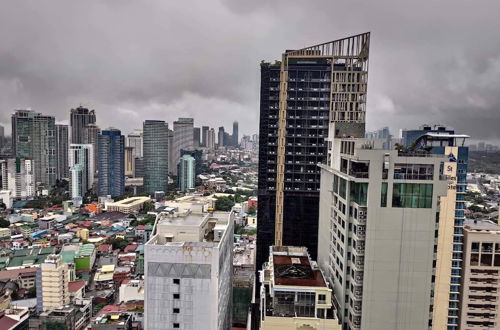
[(294, 293)]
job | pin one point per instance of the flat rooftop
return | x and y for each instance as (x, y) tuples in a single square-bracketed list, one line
[(481, 225), (292, 267), (131, 200)]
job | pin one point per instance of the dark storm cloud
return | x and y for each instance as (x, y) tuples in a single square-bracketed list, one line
[(430, 62)]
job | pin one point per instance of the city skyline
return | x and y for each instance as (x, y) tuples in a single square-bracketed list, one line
[(453, 73)]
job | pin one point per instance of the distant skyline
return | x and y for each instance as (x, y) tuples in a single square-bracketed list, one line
[(434, 62)]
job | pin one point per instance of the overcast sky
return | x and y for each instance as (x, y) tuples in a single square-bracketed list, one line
[(430, 61)]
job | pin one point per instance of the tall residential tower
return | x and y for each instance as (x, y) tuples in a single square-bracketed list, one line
[(299, 96), (155, 149), (111, 163)]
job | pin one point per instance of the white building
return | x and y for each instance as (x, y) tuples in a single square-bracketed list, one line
[(134, 140), (18, 176), (188, 270), (81, 163)]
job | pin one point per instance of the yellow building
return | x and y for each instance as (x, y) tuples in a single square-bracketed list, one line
[(84, 234), (54, 279), (128, 205), (294, 294)]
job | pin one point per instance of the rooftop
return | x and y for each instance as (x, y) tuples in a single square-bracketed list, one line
[(481, 225), (293, 267)]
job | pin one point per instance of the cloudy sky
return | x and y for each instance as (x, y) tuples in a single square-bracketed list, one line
[(430, 61)]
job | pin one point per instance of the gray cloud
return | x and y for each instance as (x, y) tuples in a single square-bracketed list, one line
[(430, 61)]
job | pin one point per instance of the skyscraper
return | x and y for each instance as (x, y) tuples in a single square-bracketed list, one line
[(204, 135), (81, 162), (62, 147), (155, 156), (79, 118), (129, 162), (220, 137), (196, 137), (187, 173), (33, 137), (211, 139), (449, 253), (134, 140), (183, 139), (235, 136), (90, 136), (18, 177), (111, 163), (318, 84)]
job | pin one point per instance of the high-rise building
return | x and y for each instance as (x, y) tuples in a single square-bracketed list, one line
[(187, 173), (62, 147), (211, 139), (111, 163), (196, 137), (134, 140), (33, 137), (188, 270), (204, 135), (91, 136), (480, 295), (294, 293), (79, 118), (183, 139), (2, 136), (220, 137), (139, 167), (52, 284), (81, 164), (155, 156), (129, 162), (171, 162), (379, 211), (18, 176), (382, 133), (449, 254), (235, 136), (198, 157), (299, 97)]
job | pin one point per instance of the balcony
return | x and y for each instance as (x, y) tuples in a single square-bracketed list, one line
[(358, 277)]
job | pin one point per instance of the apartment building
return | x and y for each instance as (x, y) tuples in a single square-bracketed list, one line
[(52, 284), (480, 287)]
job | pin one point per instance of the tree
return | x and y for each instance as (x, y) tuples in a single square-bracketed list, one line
[(224, 203), (4, 223), (252, 210), (148, 206)]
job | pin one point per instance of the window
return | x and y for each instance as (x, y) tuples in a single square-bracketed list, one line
[(342, 188), (177, 296), (358, 194), (322, 298), (413, 171), (412, 195), (383, 195), (177, 281), (177, 326), (176, 311)]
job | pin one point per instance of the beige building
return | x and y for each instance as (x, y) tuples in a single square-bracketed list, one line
[(54, 277), (129, 162), (480, 282), (128, 205), (294, 293)]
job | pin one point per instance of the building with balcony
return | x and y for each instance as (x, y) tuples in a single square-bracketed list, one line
[(81, 162), (294, 293), (480, 287), (52, 284), (18, 177), (379, 219), (189, 269)]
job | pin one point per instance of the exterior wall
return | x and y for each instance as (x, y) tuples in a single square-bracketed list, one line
[(299, 323), (187, 173), (129, 161), (134, 140), (79, 118), (52, 285)]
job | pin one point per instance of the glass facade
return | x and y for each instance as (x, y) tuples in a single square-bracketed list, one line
[(155, 150), (412, 195), (111, 163)]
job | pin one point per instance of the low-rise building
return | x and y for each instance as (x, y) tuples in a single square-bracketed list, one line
[(294, 293), (128, 205)]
